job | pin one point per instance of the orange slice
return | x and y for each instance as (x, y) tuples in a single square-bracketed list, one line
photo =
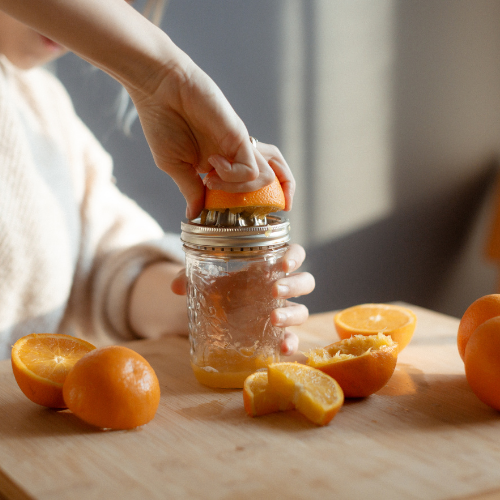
[(41, 363), (263, 201), (360, 364), (369, 319), (260, 399), (313, 393)]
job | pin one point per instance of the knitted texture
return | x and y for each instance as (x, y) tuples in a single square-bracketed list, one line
[(71, 244)]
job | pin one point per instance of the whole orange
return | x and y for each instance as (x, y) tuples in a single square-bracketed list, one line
[(477, 313), (269, 198), (113, 387), (482, 362)]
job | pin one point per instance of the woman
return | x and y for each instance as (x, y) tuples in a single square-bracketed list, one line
[(76, 255)]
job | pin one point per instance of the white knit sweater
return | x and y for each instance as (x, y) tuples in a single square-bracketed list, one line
[(71, 244)]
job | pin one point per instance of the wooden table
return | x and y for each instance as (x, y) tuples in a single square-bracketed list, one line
[(425, 435)]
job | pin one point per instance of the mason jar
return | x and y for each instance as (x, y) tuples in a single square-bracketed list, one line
[(230, 274)]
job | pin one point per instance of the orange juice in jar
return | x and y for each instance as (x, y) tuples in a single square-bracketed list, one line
[(231, 271)]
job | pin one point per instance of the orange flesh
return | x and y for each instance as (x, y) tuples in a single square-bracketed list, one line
[(52, 358), (351, 348)]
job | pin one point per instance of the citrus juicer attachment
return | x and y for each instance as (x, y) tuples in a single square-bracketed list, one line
[(234, 218)]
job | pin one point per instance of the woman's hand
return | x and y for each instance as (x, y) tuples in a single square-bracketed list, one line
[(191, 129), (292, 285), (188, 123)]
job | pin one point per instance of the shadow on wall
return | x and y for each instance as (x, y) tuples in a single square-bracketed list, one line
[(405, 257)]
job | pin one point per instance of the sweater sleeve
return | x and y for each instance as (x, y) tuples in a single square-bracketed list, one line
[(118, 240)]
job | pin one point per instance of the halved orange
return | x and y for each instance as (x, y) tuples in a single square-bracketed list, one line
[(369, 319), (313, 393), (263, 201), (260, 399), (41, 363), (361, 364)]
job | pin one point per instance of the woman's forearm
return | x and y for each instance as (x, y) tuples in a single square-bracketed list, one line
[(110, 34)]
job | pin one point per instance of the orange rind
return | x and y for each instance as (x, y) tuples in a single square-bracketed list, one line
[(265, 200), (361, 364)]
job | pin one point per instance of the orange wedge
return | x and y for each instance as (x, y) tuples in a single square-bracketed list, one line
[(41, 362), (360, 364), (313, 393), (369, 319), (260, 399)]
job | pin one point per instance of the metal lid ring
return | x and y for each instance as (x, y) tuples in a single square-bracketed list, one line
[(276, 232)]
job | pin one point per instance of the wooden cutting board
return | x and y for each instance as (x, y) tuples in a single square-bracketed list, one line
[(424, 436)]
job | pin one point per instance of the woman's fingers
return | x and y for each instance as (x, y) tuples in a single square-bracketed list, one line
[(294, 258), (280, 167), (294, 285), (237, 177), (234, 178), (292, 315), (289, 344), (179, 283)]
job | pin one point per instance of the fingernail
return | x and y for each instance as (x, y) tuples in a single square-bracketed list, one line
[(188, 213), (280, 318), (212, 160), (291, 265), (219, 163), (283, 290)]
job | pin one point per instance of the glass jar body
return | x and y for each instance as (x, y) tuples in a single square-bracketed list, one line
[(229, 297)]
